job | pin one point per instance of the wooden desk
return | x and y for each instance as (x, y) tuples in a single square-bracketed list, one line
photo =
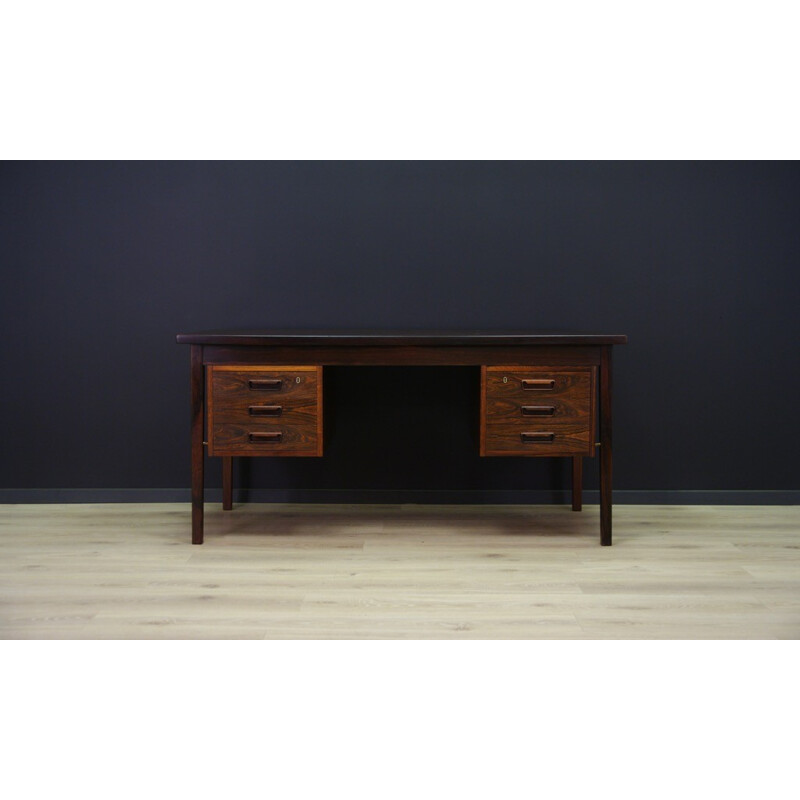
[(260, 393)]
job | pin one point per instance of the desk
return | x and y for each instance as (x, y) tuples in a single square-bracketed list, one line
[(261, 393)]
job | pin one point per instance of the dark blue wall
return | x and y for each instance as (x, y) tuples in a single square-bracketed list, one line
[(103, 263)]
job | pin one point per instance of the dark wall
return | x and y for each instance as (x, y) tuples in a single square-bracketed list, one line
[(103, 263)]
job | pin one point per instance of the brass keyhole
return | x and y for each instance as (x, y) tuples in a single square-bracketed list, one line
[(505, 380), (297, 379)]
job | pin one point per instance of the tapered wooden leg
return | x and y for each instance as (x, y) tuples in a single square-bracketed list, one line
[(605, 446), (227, 483), (577, 483), (198, 406)]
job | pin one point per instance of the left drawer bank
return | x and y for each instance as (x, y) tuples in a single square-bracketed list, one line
[(264, 411)]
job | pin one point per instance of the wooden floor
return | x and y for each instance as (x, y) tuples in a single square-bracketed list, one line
[(126, 571)]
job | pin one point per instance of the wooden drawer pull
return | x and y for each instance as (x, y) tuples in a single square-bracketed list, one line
[(539, 384), (537, 437), (265, 411), (265, 437), (538, 411), (265, 384)]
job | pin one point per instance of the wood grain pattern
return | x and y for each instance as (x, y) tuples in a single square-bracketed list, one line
[(569, 385), (232, 427), (505, 399), (300, 413), (512, 409), (568, 440), (126, 571), (295, 440)]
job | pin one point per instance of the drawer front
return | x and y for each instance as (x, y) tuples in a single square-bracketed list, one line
[(538, 440), (538, 411), (263, 440), (264, 411)]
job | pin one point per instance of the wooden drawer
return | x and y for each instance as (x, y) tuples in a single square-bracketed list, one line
[(230, 439), (265, 411), (537, 411)]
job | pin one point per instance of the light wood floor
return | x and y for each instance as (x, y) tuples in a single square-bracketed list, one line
[(126, 571)]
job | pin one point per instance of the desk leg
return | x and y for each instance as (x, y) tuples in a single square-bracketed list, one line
[(227, 483), (577, 483), (198, 406), (605, 446)]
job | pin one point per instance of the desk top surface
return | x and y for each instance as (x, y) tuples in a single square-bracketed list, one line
[(395, 338)]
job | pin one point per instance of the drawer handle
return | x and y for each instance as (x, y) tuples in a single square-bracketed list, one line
[(262, 437), (538, 411), (265, 411), (537, 437), (265, 384), (539, 384)]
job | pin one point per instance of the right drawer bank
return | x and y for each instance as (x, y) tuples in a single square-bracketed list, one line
[(538, 411)]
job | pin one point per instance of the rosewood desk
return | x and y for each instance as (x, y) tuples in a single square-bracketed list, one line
[(260, 393)]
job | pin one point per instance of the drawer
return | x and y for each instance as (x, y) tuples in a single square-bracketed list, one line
[(538, 440), (264, 411), (569, 385), (538, 411), (230, 439)]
